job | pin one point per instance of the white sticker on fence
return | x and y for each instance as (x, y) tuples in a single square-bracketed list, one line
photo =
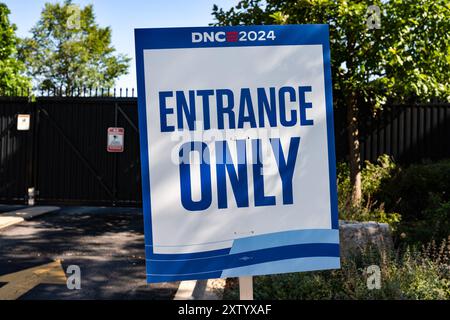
[(23, 122)]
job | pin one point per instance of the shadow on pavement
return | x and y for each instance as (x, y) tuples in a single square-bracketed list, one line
[(106, 243)]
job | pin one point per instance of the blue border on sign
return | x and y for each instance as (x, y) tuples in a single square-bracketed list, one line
[(223, 262)]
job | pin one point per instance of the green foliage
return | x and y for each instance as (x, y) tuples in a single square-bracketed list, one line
[(421, 194), (11, 69), (373, 175), (414, 274), (414, 201), (417, 61), (67, 52), (407, 57)]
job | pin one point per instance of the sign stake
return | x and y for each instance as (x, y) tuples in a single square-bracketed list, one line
[(246, 288)]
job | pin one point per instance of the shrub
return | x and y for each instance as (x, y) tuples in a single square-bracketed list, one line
[(372, 178), (421, 194), (415, 201), (414, 274)]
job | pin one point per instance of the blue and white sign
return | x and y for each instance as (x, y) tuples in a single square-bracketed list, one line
[(237, 151)]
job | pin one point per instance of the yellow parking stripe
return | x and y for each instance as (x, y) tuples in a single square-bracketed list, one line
[(19, 283)]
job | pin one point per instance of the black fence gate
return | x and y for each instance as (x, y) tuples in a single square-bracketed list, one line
[(16, 151), (63, 156)]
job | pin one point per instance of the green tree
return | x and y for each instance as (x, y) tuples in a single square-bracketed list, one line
[(407, 58), (69, 50), (11, 69)]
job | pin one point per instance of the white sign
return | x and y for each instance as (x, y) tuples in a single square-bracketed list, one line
[(237, 151), (115, 139), (23, 122)]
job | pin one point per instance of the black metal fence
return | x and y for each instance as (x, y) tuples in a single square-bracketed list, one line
[(408, 133), (15, 151), (63, 155)]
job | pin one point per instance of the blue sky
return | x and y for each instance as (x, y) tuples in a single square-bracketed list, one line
[(123, 16)]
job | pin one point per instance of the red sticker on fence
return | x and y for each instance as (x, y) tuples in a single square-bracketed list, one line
[(115, 139)]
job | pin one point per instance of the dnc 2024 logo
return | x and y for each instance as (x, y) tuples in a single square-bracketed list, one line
[(233, 36)]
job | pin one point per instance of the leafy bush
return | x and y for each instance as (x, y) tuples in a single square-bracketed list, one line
[(414, 274), (415, 201), (372, 178), (421, 194)]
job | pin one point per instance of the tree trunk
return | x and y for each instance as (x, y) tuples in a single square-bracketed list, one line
[(354, 150)]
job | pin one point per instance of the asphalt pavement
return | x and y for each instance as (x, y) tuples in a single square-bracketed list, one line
[(107, 244)]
